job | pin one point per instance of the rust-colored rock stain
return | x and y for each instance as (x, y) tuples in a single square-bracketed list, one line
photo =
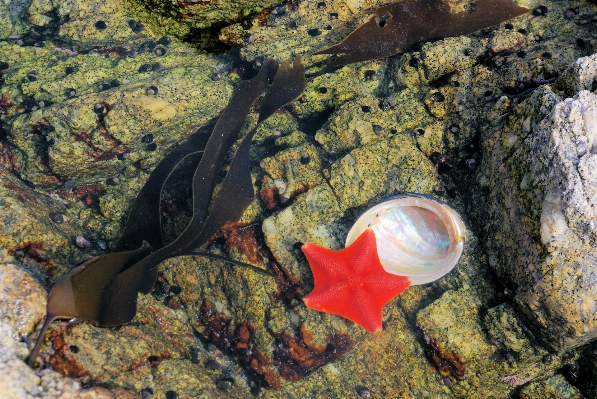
[(35, 251), (445, 362), (239, 341), (5, 103), (62, 360), (243, 238), (8, 160), (297, 356)]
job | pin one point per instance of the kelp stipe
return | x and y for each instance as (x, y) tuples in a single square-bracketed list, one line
[(104, 289), (397, 27)]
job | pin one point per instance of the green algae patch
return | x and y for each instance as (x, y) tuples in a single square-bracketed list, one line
[(389, 166)]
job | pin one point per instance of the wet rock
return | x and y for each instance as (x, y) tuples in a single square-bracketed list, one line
[(30, 236), (555, 386), (191, 14), (545, 214), (380, 170), (22, 299)]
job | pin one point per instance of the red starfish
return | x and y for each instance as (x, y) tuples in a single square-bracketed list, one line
[(352, 282)]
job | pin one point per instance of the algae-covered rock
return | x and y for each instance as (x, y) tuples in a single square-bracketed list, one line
[(22, 299), (554, 387), (550, 187), (38, 232), (102, 97)]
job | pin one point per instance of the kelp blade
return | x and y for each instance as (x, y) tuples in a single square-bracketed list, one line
[(225, 132), (81, 293), (236, 193), (397, 27)]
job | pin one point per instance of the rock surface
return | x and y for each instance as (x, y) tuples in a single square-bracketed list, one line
[(94, 97), (548, 216)]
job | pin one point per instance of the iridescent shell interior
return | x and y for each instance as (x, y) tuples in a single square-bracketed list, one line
[(417, 236)]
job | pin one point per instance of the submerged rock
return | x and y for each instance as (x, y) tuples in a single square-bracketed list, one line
[(89, 111), (544, 211)]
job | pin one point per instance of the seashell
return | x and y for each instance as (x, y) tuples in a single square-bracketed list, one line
[(417, 236)]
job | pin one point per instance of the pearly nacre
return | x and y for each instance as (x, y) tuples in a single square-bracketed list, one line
[(417, 236)]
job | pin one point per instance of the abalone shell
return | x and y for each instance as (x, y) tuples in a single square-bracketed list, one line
[(417, 236)]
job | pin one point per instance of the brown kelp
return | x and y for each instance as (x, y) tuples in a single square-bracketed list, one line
[(104, 289), (397, 27)]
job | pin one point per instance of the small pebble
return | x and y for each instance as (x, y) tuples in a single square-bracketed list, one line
[(57, 217), (455, 129), (569, 13), (69, 184), (70, 92), (160, 51), (447, 382), (495, 342), (363, 392), (135, 26), (101, 25), (104, 86), (540, 11), (195, 355), (212, 364), (370, 75), (165, 40), (323, 90), (171, 395), (151, 147), (391, 101), (216, 77), (224, 384), (32, 76), (314, 32), (102, 244), (148, 138), (378, 130), (99, 108), (305, 159), (471, 164), (82, 242), (510, 357), (144, 68), (547, 359), (151, 91)]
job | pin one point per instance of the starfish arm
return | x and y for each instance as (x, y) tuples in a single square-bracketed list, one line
[(324, 263), (328, 298), (367, 310), (363, 253), (385, 286), (352, 304)]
